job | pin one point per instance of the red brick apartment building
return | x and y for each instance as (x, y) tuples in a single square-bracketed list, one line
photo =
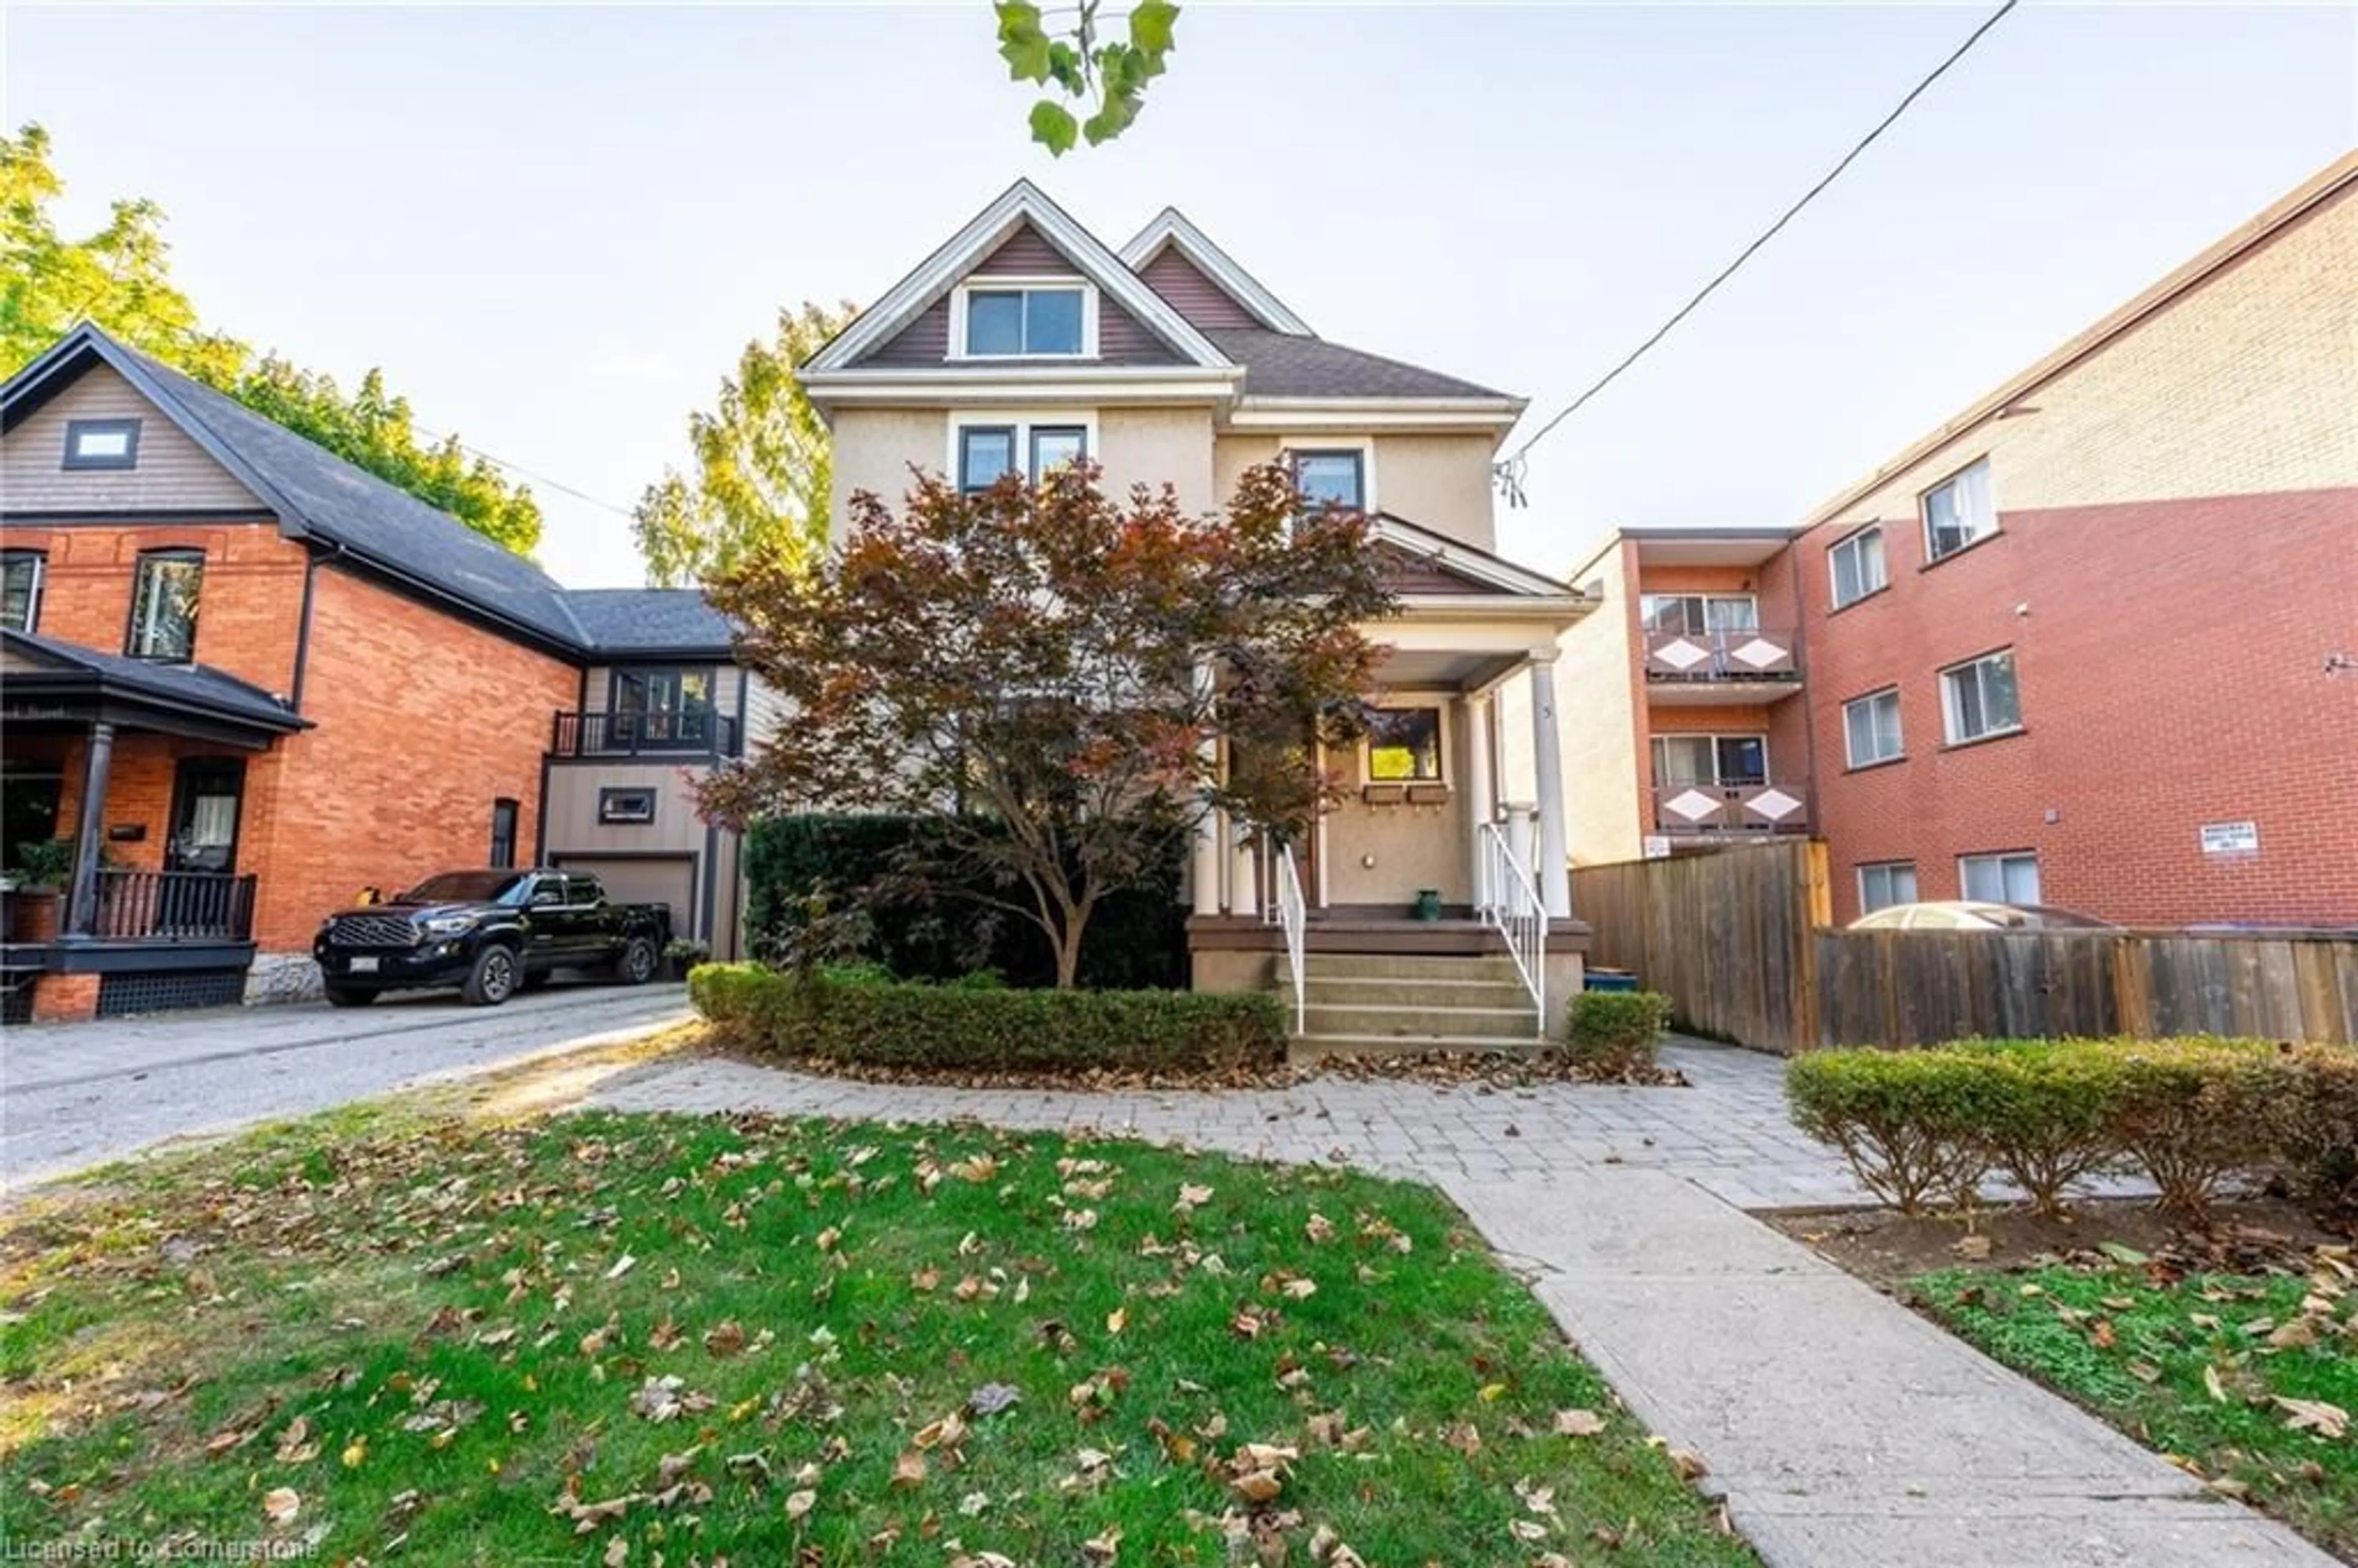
[(2092, 643), (247, 679)]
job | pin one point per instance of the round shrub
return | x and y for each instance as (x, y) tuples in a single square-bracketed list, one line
[(1907, 1121), (1616, 1033)]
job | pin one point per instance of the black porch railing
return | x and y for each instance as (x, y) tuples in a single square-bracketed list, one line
[(680, 732), (181, 906)]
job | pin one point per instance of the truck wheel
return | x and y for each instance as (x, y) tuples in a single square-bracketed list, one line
[(345, 996), (493, 978), (636, 967)]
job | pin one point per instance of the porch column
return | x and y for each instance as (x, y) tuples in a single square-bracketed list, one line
[(1244, 875), (1547, 764), (81, 903), (1478, 808), (1203, 864)]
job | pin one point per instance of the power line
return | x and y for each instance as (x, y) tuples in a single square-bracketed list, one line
[(554, 485), (1509, 471)]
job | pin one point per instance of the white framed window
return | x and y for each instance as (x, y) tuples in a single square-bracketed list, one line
[(1959, 511), (1871, 728), (2008, 878), (1697, 614), (1710, 760), (1407, 744), (1326, 468), (1023, 318), (985, 444), (164, 597), (1856, 565), (1981, 699), (20, 589), (1883, 884)]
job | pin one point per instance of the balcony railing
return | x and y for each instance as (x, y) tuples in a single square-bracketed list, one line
[(685, 732), (177, 906), (1732, 809), (1746, 655)]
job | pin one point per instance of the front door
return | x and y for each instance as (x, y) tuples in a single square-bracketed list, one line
[(205, 800)]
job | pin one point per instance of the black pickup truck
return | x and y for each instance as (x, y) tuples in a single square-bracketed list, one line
[(488, 933)]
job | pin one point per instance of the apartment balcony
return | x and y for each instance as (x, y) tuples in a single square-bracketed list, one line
[(1700, 668), (676, 732), (1695, 812)]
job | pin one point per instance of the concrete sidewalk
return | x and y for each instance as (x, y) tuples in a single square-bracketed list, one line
[(1844, 1431)]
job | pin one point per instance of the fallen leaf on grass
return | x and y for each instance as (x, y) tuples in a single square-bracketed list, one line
[(2328, 1421), (993, 1397), (800, 1503), (2210, 1381), (1192, 1197), (1578, 1423), (281, 1504), (618, 1551), (724, 1339), (1116, 1320), (909, 1470)]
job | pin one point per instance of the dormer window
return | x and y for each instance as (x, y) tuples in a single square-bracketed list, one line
[(102, 443), (1010, 318)]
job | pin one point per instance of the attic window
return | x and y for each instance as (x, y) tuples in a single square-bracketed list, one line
[(1029, 320), (102, 443)]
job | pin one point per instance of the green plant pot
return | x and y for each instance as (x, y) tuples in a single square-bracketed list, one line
[(1428, 903)]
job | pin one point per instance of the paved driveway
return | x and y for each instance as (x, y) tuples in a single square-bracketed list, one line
[(73, 1095)]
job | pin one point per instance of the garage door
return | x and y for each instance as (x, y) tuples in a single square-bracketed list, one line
[(668, 878)]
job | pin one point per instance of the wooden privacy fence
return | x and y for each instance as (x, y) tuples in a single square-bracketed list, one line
[(1739, 941), (1726, 935)]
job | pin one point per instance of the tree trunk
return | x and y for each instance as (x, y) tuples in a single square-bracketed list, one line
[(1068, 944)]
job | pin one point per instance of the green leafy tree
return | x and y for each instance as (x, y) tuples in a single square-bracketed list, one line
[(120, 277), (1083, 67), (1020, 668), (763, 470)]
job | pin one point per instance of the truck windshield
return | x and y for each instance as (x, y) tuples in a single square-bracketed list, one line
[(467, 887)]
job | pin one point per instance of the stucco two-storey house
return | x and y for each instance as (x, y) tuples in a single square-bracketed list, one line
[(247, 680), (1025, 340)]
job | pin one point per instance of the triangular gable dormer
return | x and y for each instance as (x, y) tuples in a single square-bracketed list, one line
[(1021, 240), (1203, 282), (1419, 562)]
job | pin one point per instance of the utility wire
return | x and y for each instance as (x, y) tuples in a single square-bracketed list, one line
[(502, 463), (1509, 473)]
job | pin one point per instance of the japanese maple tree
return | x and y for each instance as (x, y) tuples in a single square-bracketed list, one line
[(1022, 666)]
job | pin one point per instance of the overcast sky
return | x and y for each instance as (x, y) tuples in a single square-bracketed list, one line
[(555, 227)]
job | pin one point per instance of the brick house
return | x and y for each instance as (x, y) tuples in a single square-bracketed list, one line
[(2072, 647), (1025, 340), (249, 680)]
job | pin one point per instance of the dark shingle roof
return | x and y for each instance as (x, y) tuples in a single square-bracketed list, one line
[(349, 506), (1287, 364), (649, 619), (198, 685)]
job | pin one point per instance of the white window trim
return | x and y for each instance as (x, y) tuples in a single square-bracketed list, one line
[(1768, 773), (1868, 907), (1021, 420), (1950, 727), (1402, 703), (1363, 445), (1849, 756), (40, 562), (1924, 510), (1851, 541), (1998, 858), (1647, 600), (1001, 282)]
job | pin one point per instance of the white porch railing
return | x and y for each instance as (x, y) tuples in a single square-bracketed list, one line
[(1510, 903), (1293, 914)]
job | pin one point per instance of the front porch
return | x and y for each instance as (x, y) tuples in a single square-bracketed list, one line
[(1431, 904), (139, 772)]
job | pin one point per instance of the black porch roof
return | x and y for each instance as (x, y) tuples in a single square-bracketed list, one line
[(49, 680)]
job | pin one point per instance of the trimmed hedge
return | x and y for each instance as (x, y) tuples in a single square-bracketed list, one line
[(1136, 939), (858, 1020), (1617, 1033), (2189, 1114)]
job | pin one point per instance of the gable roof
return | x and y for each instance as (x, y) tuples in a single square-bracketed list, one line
[(1170, 230), (1019, 203), (1281, 364), (1481, 571), (318, 495), (650, 620)]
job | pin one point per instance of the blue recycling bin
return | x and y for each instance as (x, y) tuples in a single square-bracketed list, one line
[(1609, 981)]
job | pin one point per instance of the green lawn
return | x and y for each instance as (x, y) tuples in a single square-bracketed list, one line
[(639, 1340), (2252, 1381)]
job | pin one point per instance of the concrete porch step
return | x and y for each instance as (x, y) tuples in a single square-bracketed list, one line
[(1310, 1047), (1399, 966), (1395, 1020), (1450, 992)]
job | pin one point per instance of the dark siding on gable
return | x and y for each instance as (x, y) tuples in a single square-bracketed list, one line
[(1405, 571), (1187, 290), (1122, 338)]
